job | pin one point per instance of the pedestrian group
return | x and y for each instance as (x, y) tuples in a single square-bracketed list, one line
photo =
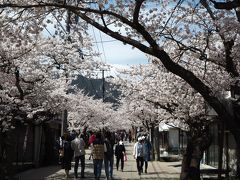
[(102, 150)]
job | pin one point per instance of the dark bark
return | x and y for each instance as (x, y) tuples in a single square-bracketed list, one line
[(230, 66), (226, 5), (238, 14), (6, 168), (238, 161), (220, 149), (193, 155), (238, 155), (153, 142), (157, 144)]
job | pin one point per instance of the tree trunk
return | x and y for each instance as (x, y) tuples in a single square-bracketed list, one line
[(186, 161), (236, 112), (192, 157), (6, 168), (237, 140), (157, 144), (235, 109), (220, 149), (153, 142), (237, 153), (238, 160)]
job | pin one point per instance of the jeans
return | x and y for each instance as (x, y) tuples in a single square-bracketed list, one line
[(97, 165), (108, 162), (82, 159), (139, 164)]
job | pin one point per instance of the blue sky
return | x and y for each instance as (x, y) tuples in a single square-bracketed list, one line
[(113, 52), (116, 53)]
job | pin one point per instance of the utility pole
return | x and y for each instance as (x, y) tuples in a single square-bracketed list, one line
[(103, 85), (65, 113)]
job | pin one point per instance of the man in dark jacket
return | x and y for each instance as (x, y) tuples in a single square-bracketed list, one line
[(108, 155), (67, 153), (120, 153)]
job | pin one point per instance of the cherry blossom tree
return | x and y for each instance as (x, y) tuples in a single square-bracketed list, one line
[(178, 35), (89, 112), (38, 77), (173, 102), (36, 72)]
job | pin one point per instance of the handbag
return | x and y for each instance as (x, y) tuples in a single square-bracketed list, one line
[(61, 152), (125, 157)]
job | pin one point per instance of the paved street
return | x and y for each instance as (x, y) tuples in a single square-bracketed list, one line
[(156, 170)]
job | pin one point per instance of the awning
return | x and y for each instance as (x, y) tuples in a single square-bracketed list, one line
[(163, 127)]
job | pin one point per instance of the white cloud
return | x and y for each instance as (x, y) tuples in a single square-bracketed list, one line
[(115, 51), (114, 71)]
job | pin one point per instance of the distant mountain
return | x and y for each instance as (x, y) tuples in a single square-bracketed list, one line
[(94, 87)]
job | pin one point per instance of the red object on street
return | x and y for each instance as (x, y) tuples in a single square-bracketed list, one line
[(91, 139)]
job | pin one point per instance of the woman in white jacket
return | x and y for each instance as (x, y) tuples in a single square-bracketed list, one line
[(138, 154)]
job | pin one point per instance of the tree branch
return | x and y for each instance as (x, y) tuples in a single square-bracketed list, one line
[(154, 50), (137, 10), (230, 66), (226, 5), (115, 35), (178, 4), (77, 10), (17, 83), (167, 107)]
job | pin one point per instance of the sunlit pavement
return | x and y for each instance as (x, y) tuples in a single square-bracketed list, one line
[(156, 170)]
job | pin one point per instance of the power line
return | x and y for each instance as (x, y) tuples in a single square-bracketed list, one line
[(96, 44), (106, 41), (104, 55)]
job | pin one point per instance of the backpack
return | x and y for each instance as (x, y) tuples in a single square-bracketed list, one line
[(109, 147), (66, 145)]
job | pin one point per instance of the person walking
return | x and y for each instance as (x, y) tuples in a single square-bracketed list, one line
[(108, 155), (98, 155), (120, 153), (130, 136), (138, 154), (78, 146), (147, 147), (67, 153)]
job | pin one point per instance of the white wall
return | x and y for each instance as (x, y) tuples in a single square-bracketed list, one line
[(173, 138)]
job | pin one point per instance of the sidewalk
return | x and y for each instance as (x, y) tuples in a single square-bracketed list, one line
[(156, 170)]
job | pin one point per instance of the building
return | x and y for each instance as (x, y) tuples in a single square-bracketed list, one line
[(173, 140)]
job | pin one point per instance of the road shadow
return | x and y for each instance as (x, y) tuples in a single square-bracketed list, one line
[(39, 173)]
